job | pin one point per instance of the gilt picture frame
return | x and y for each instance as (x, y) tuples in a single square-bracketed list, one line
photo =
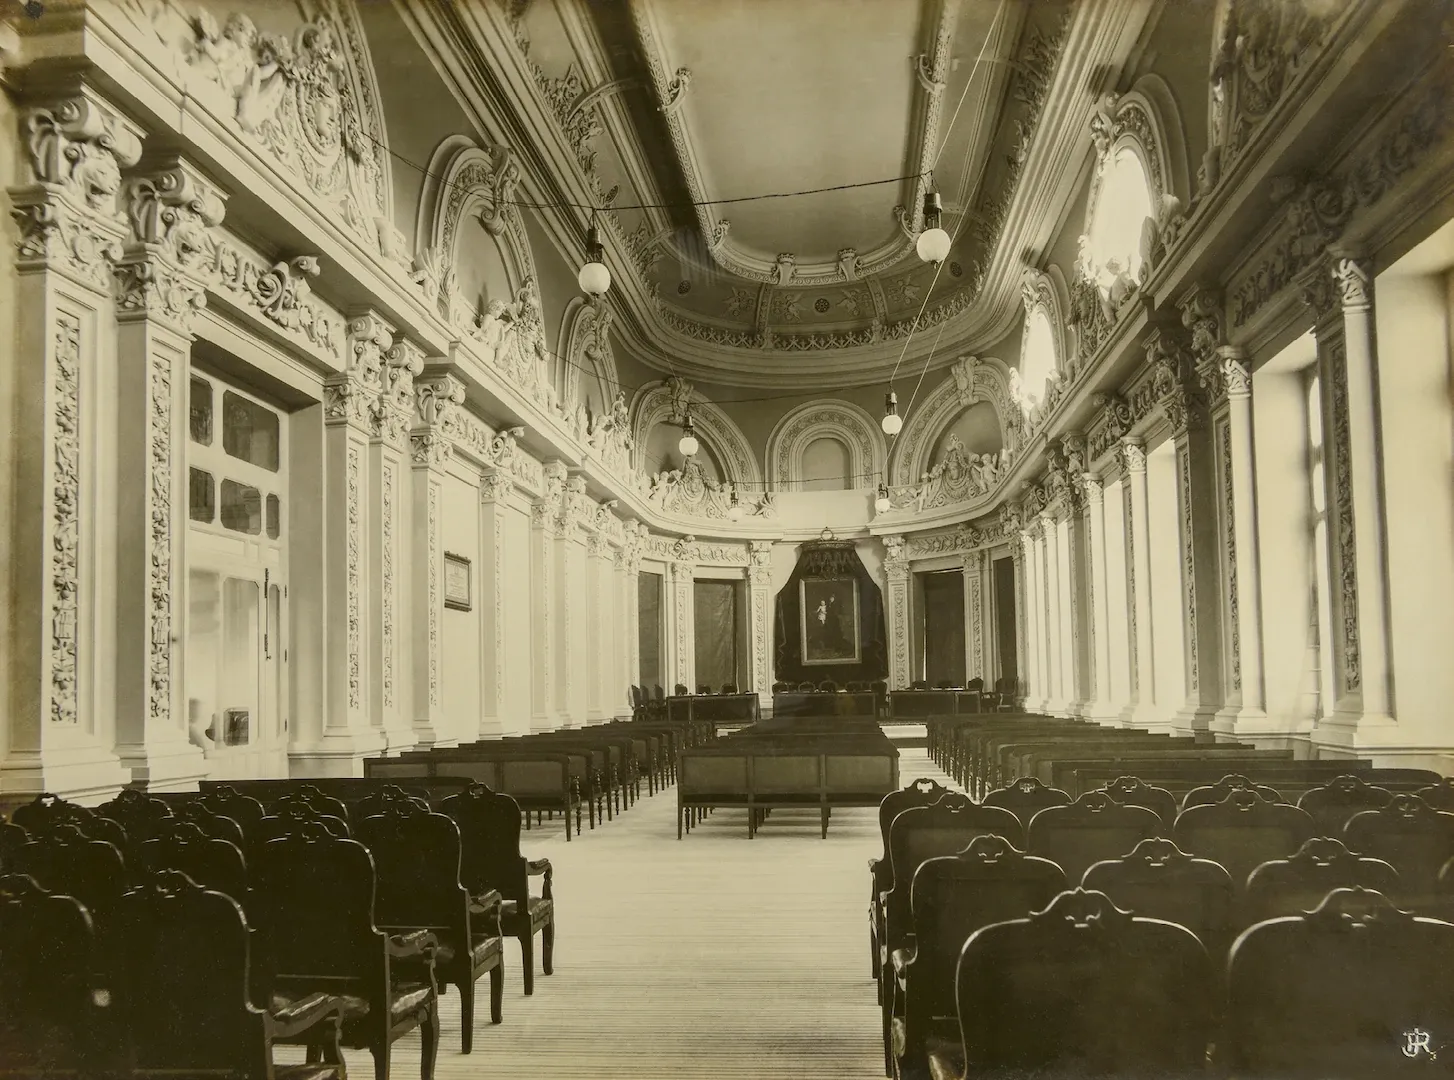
[(457, 595), (828, 621)]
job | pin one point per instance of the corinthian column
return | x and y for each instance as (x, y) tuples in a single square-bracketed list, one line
[(1100, 705), (544, 512), (160, 290), (1341, 296), (1140, 710), (896, 577), (59, 716)]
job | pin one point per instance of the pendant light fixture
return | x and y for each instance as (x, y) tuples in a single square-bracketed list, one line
[(688, 444), (892, 422), (734, 509), (933, 243), (594, 279), (882, 505)]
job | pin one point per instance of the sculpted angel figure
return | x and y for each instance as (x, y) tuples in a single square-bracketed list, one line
[(490, 326)]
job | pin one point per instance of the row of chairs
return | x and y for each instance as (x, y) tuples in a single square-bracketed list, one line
[(952, 866), (378, 913)]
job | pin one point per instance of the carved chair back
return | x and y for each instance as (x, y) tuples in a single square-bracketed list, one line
[(229, 802), (12, 838), (290, 818), (314, 899), (1338, 990), (1133, 791), (1093, 828), (1026, 797), (309, 797), (214, 825), (62, 860), (1411, 835), (383, 800), (48, 1011), (1440, 796), (489, 832), (209, 862), (922, 792), (1160, 881), (184, 993), (1299, 882), (416, 865), (139, 814), (1242, 832), (1084, 988), (921, 833), (1333, 804), (954, 895), (1209, 794)]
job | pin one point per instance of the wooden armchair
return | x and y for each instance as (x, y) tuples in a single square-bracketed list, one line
[(184, 993), (417, 858), (62, 860), (1160, 881), (922, 792), (489, 830), (209, 862), (1242, 832), (1092, 829), (54, 1014), (1413, 837), (315, 902), (139, 814), (1299, 882), (1335, 802)]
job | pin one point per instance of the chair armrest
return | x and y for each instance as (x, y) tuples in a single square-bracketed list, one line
[(535, 867), (902, 957), (873, 866), (303, 1014), (411, 944), (486, 902)]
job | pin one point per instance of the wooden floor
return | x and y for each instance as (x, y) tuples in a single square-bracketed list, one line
[(714, 957)]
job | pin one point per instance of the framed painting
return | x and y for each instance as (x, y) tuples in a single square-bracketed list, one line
[(456, 582), (828, 611)]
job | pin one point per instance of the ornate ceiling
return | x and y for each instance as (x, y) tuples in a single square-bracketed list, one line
[(678, 115)]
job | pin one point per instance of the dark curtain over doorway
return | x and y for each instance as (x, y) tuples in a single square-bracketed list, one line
[(1005, 607), (648, 606), (718, 627), (944, 628)]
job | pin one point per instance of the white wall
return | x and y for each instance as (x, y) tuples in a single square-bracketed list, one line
[(460, 631)]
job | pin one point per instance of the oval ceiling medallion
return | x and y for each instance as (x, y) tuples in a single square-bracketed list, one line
[(684, 286), (821, 305), (956, 270)]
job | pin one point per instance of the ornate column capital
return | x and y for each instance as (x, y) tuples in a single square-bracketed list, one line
[(1091, 488), (496, 487), (1317, 291), (392, 416), (896, 557), (1354, 280), (172, 209), (1174, 389), (1133, 455)]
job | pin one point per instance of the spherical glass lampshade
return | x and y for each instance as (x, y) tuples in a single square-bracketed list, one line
[(594, 279), (881, 505), (893, 423), (688, 445), (933, 245), (734, 512)]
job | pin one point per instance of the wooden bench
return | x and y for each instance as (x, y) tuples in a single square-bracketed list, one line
[(760, 775), (536, 780)]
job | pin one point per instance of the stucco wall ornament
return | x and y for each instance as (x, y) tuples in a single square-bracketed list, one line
[(666, 402), (960, 476), (309, 100), (1173, 384), (971, 379), (689, 492), (164, 269)]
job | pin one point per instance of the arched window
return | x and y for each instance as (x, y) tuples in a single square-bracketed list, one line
[(826, 466), (1037, 358), (1123, 203)]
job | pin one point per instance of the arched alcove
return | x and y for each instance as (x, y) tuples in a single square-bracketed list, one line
[(849, 424), (660, 453), (726, 448), (977, 429), (827, 465), (972, 381)]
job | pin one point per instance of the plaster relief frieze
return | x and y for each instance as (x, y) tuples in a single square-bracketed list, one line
[(306, 99), (353, 495), (960, 476), (65, 498), (279, 292), (1321, 211), (164, 270), (689, 492), (386, 560), (159, 556)]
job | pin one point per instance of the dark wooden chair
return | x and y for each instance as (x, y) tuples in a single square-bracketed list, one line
[(953, 896), (212, 824), (1210, 794), (44, 812), (1083, 989), (1093, 828), (857, 686), (54, 1012), (211, 863), (290, 819), (916, 835), (944, 684), (1413, 837), (919, 684), (315, 899), (1444, 891), (921, 792), (1334, 803), (1440, 796), (489, 829), (1026, 797), (416, 859), (139, 814), (1298, 883), (229, 802), (311, 797), (805, 687), (703, 690), (781, 687), (1160, 881), (383, 800), (681, 690), (1341, 991), (659, 692), (976, 684), (62, 860), (1133, 791), (184, 993), (13, 837), (729, 688), (1242, 832)]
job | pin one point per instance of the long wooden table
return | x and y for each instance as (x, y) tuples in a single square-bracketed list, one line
[(717, 708), (825, 703), (918, 704)]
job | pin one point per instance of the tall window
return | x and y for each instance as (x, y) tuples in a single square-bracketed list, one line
[(1037, 361), (1320, 634), (1123, 203)]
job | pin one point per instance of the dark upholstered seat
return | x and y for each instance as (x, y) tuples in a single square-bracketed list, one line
[(1242, 832), (1093, 828), (1160, 881), (1335, 802), (1026, 797), (1299, 882)]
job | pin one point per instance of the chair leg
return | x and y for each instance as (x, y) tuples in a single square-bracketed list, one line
[(466, 1014), (527, 960), (381, 1055), (497, 991), (429, 1039), (547, 946)]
